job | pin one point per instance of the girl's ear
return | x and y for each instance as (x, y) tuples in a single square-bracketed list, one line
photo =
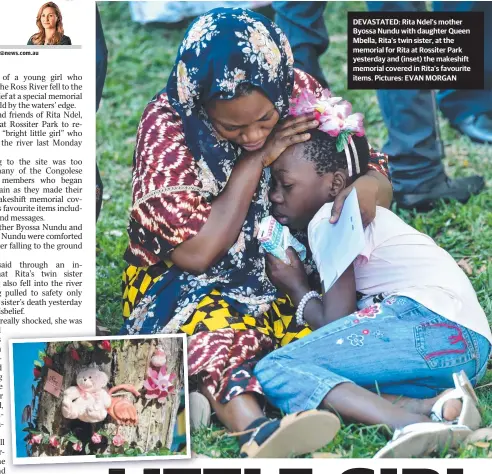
[(339, 183)]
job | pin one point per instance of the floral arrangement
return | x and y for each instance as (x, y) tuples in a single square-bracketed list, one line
[(75, 349), (70, 440), (333, 113), (159, 384)]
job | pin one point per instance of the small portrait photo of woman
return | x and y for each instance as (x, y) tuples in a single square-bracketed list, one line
[(49, 21)]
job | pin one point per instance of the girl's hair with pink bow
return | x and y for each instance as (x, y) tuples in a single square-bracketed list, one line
[(343, 144)]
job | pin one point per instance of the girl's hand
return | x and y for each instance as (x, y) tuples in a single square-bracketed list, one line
[(287, 132), (367, 194), (290, 279)]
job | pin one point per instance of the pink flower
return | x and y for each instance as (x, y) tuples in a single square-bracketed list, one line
[(105, 345), (74, 354), (159, 384), (369, 312), (340, 118), (96, 438), (303, 104), (365, 332), (37, 373), (118, 440), (333, 113), (54, 441), (77, 446), (36, 439), (48, 361), (355, 123)]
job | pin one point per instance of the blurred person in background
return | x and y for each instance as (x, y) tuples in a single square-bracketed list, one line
[(414, 143), (172, 12), (50, 25)]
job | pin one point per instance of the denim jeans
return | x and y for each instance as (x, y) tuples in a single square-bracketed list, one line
[(396, 347)]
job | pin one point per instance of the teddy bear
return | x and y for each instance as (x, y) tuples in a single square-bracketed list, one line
[(89, 400)]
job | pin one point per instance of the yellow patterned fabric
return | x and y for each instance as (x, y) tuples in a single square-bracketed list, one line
[(214, 313), (136, 281)]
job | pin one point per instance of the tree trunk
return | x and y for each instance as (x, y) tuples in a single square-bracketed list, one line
[(127, 363)]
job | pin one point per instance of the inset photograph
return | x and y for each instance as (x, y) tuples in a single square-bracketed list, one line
[(99, 398)]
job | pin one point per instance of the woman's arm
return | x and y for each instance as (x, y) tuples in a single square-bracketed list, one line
[(385, 190), (225, 220), (373, 189), (229, 209)]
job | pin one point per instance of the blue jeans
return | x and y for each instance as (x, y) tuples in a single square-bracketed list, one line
[(396, 347)]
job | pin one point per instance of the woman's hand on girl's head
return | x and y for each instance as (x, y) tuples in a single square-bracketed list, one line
[(367, 194), (287, 132), (290, 279)]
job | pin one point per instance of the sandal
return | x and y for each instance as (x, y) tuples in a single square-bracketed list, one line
[(296, 434), (420, 439), (200, 411), (470, 415)]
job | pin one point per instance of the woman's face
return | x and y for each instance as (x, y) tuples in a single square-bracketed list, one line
[(49, 18), (246, 121)]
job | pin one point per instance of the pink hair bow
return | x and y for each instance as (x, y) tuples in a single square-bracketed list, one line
[(333, 113)]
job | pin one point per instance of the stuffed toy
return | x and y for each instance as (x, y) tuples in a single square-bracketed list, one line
[(158, 357), (89, 400)]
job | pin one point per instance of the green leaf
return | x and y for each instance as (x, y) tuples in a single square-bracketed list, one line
[(342, 139), (87, 449), (38, 364), (73, 439), (41, 355)]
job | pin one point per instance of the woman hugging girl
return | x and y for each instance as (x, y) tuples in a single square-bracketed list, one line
[(400, 338)]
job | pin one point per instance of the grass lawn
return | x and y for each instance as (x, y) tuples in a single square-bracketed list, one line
[(140, 59)]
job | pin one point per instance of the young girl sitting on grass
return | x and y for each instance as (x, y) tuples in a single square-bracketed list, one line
[(416, 330)]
